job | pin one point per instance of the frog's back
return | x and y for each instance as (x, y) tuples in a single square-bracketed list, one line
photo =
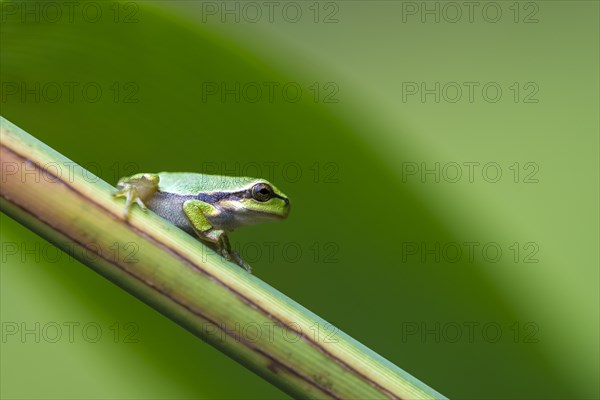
[(190, 183)]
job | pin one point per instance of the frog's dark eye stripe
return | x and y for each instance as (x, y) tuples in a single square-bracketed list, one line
[(266, 195), (262, 192)]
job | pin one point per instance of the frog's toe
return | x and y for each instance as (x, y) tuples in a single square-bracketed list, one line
[(120, 193), (226, 255), (246, 266), (141, 204), (240, 261)]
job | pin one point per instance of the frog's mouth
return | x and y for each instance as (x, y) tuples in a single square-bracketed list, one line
[(286, 207), (247, 212), (276, 212)]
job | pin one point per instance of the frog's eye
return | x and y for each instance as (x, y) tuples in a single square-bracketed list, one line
[(262, 192)]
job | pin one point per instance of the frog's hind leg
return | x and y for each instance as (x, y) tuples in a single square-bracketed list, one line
[(138, 189), (196, 212)]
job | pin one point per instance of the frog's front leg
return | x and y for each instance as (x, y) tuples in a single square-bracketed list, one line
[(137, 188), (197, 212)]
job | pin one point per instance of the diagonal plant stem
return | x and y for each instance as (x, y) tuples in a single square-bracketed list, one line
[(171, 271)]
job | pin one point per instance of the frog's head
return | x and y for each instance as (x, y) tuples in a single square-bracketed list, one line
[(258, 201)]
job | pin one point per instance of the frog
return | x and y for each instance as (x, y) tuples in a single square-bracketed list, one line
[(208, 207)]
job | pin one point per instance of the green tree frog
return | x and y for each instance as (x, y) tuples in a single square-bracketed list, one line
[(208, 206)]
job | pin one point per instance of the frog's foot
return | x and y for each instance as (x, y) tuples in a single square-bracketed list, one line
[(138, 189), (196, 212), (235, 257), (225, 249), (131, 195), (231, 255)]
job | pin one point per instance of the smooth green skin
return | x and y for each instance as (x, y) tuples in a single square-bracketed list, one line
[(206, 205)]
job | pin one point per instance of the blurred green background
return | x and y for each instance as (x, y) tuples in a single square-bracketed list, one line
[(346, 133)]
